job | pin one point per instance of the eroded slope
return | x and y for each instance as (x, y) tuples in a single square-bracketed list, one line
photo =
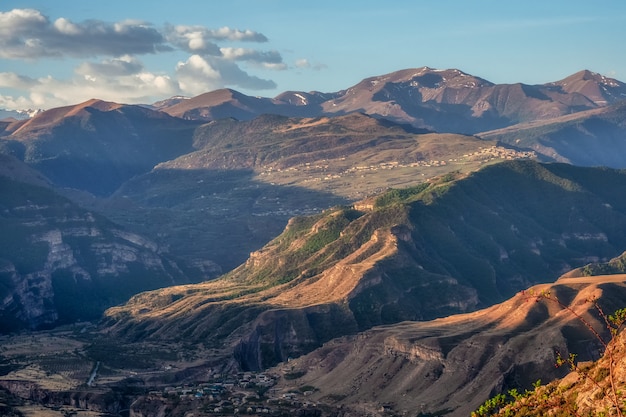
[(447, 247)]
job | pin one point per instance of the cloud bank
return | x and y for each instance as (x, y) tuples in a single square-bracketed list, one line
[(111, 67)]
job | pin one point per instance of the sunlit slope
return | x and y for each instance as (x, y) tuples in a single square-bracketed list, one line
[(451, 365), (449, 246)]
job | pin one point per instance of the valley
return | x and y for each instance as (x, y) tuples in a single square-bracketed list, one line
[(448, 365), (362, 252)]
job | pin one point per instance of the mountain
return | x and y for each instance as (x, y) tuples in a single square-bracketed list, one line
[(587, 138), (445, 247), (95, 146), (592, 388), (60, 263), (167, 102), (245, 179), (597, 88), (18, 114), (439, 100), (450, 366), (227, 186), (227, 103), (18, 171)]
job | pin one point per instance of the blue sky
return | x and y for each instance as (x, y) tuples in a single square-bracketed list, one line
[(55, 53)]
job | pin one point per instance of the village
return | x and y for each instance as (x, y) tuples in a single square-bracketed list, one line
[(245, 393), (483, 154)]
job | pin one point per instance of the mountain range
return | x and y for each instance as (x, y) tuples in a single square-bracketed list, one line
[(301, 224), (439, 100)]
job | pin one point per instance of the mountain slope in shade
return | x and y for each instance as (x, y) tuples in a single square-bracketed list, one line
[(452, 365), (17, 170), (60, 263), (414, 254), (96, 145), (245, 179), (588, 138), (586, 391), (440, 100)]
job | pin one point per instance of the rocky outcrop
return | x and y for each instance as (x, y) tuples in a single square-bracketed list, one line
[(102, 401), (60, 263)]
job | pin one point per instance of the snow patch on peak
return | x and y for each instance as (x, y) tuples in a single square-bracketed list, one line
[(303, 99), (19, 114)]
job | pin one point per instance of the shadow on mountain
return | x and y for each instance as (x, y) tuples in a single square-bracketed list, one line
[(207, 216), (592, 138)]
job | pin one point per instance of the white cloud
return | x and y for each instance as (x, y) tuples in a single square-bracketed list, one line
[(117, 74), (304, 63), (201, 40), (201, 74), (66, 27), (271, 60), (193, 39), (12, 80), (117, 67), (196, 75), (15, 103), (27, 33), (121, 80), (226, 33), (247, 54)]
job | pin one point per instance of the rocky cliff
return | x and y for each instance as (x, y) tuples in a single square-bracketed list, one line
[(60, 263)]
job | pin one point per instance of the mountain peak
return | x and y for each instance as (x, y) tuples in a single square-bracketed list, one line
[(601, 90), (96, 104), (587, 75), (53, 116)]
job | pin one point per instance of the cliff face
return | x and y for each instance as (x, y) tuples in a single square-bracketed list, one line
[(60, 263), (103, 401)]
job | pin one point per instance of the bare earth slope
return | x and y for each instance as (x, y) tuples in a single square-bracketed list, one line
[(450, 366)]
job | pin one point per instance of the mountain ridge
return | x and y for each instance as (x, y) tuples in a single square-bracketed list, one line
[(449, 366), (414, 255), (440, 100)]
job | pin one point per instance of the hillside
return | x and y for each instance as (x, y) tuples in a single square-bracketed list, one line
[(445, 247), (244, 180), (588, 138), (60, 263), (450, 366), (593, 388), (95, 146)]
